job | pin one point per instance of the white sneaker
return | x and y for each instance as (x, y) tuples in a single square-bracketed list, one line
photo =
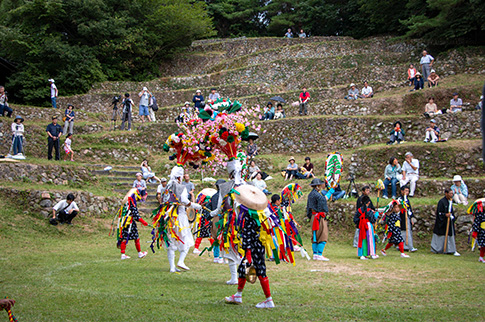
[(404, 255), (481, 260), (142, 254), (296, 248), (220, 260), (265, 304), (231, 282), (456, 254), (413, 250), (393, 197), (269, 178), (175, 270), (183, 267), (375, 256), (315, 257), (233, 299), (323, 258), (216, 260), (363, 258), (385, 197), (196, 251), (383, 252), (433, 141), (123, 256), (426, 140)]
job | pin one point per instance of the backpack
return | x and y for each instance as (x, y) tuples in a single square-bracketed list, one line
[(127, 105), (154, 105)]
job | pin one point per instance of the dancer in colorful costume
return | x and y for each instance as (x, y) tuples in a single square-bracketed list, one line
[(127, 229), (407, 225), (478, 228), (202, 222), (171, 221), (393, 222), (289, 195), (254, 229), (364, 219), (443, 240), (216, 244), (317, 207)]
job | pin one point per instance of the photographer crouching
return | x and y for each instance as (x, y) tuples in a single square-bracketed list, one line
[(64, 211)]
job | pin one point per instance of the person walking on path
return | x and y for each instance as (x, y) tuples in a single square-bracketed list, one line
[(54, 93), (54, 131), (426, 63), (443, 241)]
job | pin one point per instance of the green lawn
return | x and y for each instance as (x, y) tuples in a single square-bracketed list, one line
[(73, 273)]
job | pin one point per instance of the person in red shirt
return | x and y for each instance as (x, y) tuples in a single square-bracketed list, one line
[(304, 98)]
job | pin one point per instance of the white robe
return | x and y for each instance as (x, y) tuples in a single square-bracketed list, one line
[(184, 231)]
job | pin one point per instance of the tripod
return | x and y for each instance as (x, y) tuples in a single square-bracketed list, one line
[(352, 184)]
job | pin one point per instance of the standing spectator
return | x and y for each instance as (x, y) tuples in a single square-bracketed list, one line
[(4, 103), (145, 97), (397, 134), (353, 93), (302, 34), (426, 63), (280, 113), (289, 34), (392, 174), (367, 91), (141, 186), (304, 98), (268, 112), (308, 169), (147, 172), (54, 93), (460, 191), (18, 136), (190, 186), (213, 96), (152, 107), (259, 183), (54, 131), (69, 119), (410, 172), (252, 150), (162, 192), (411, 74), (432, 132), (67, 147), (433, 79), (431, 108), (127, 108), (198, 100), (418, 82), (65, 210), (291, 169), (455, 104)]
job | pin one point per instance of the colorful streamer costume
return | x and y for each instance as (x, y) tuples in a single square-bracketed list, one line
[(364, 219), (127, 229), (407, 224), (203, 222), (478, 227), (172, 227), (317, 207), (393, 221)]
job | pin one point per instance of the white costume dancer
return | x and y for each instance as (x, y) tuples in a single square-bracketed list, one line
[(183, 230)]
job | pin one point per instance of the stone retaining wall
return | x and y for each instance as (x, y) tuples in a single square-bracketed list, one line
[(58, 175)]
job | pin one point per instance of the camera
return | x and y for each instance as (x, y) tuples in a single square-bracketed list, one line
[(116, 99)]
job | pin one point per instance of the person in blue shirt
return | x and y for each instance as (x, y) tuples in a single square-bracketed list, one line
[(198, 100), (460, 191), (69, 122)]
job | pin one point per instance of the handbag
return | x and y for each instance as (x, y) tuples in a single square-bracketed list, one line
[(64, 119)]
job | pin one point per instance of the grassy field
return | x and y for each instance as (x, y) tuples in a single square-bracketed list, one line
[(73, 273)]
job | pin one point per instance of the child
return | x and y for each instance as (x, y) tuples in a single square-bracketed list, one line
[(410, 222), (418, 82), (18, 136), (397, 135), (394, 229), (141, 185), (479, 233), (127, 225), (280, 113), (432, 132), (364, 218), (411, 74), (67, 147)]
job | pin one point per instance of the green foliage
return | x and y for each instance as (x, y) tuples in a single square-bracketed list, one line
[(80, 42)]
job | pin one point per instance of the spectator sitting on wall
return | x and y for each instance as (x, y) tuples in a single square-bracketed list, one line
[(431, 108), (302, 34), (455, 104), (4, 103), (397, 134), (254, 170), (353, 93), (307, 169), (289, 34), (480, 104), (367, 91), (268, 112), (252, 149), (460, 191), (411, 74), (291, 169), (198, 100), (418, 82), (259, 183), (280, 113), (433, 79), (432, 132), (213, 96)]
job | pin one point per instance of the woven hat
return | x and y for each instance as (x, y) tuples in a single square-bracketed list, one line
[(291, 158)]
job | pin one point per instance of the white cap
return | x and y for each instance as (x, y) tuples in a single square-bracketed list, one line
[(138, 174), (352, 84), (163, 180), (145, 89), (408, 153), (433, 71), (457, 178), (198, 91), (51, 80)]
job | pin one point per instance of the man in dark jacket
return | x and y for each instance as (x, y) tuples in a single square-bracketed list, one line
[(317, 206), (54, 131), (445, 221)]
